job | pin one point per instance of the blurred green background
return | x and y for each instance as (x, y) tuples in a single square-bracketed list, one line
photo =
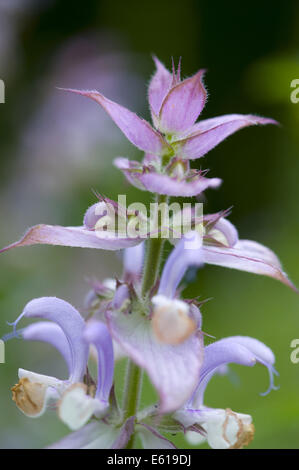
[(56, 147)]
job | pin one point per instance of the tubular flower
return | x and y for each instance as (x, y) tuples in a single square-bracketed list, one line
[(35, 392), (77, 406), (224, 428)]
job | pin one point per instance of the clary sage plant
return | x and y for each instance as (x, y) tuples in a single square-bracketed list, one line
[(142, 315)]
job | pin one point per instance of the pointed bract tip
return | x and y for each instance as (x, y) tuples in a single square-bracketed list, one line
[(78, 92), (262, 120)]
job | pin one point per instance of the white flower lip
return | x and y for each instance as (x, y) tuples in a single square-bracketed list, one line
[(76, 407)]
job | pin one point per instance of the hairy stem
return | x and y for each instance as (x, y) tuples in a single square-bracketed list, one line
[(153, 257), (133, 386)]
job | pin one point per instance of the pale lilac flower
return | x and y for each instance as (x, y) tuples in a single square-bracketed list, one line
[(175, 107), (168, 343), (174, 362), (173, 358), (173, 369), (140, 314), (76, 402), (77, 405), (224, 428), (35, 392)]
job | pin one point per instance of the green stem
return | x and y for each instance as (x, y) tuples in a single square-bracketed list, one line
[(133, 386), (132, 389), (134, 375), (153, 258), (152, 265)]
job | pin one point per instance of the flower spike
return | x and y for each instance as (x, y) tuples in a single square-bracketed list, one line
[(141, 314)]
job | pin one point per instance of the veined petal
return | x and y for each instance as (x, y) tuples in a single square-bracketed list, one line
[(138, 131), (51, 333), (173, 370), (97, 333), (183, 104), (73, 236), (152, 439), (212, 123), (159, 86), (188, 252), (72, 324), (205, 135), (250, 256), (164, 184)]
